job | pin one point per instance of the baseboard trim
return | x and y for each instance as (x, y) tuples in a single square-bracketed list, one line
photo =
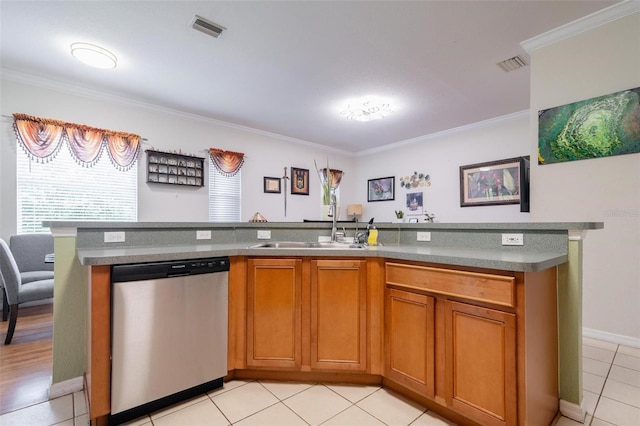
[(573, 411), (611, 337), (66, 387)]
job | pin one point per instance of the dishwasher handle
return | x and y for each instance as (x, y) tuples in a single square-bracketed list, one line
[(178, 274)]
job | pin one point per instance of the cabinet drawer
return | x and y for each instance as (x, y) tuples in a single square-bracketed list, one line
[(496, 289)]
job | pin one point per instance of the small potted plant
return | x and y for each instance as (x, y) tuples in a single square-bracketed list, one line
[(399, 216)]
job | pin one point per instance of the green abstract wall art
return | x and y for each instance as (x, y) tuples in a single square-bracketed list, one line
[(594, 128)]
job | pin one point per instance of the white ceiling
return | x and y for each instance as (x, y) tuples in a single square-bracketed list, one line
[(286, 66)]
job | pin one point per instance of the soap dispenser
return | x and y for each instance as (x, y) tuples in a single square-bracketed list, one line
[(372, 234)]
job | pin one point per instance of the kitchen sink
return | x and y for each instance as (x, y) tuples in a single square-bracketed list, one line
[(308, 245)]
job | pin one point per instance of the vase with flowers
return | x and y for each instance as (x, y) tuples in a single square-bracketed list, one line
[(329, 180)]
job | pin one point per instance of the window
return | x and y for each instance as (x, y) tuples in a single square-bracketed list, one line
[(64, 190), (224, 196)]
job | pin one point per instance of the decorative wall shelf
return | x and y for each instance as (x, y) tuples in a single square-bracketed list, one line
[(174, 169)]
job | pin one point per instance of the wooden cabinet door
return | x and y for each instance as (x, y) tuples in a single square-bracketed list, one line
[(274, 313), (480, 363), (409, 340), (339, 315)]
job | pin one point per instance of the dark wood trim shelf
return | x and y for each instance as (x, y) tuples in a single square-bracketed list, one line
[(174, 169)]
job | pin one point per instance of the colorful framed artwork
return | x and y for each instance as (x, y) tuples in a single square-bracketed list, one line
[(299, 181), (496, 183), (593, 128), (415, 204), (381, 189), (272, 185)]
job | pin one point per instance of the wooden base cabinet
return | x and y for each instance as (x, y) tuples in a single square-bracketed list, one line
[(306, 314), (409, 342), (338, 315), (274, 313), (480, 363), (476, 343)]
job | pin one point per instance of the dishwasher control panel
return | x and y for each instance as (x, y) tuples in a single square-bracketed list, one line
[(157, 270), (208, 266)]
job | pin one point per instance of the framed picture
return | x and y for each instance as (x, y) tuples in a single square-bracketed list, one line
[(592, 128), (415, 205), (272, 185), (299, 181), (496, 183), (381, 189)]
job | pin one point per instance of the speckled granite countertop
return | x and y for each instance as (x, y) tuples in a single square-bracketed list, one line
[(509, 259), (462, 244)]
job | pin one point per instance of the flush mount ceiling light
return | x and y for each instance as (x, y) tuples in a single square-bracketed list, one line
[(93, 55), (367, 110)]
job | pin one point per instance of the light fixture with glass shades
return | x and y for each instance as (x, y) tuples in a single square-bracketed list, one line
[(93, 55), (366, 110)]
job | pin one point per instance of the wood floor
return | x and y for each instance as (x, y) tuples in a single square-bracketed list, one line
[(26, 364)]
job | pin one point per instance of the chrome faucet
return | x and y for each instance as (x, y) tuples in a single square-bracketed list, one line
[(359, 237)]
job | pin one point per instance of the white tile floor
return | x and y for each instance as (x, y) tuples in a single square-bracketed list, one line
[(611, 382)]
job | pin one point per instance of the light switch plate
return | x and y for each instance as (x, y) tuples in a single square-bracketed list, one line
[(264, 234), (203, 235), (512, 239), (423, 236), (114, 237)]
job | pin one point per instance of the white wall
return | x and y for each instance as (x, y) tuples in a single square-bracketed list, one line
[(440, 156), (594, 63), (266, 155)]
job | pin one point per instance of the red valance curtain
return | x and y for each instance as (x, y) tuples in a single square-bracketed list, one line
[(226, 162), (42, 138)]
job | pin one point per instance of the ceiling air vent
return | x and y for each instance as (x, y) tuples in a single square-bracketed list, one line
[(207, 27), (512, 64)]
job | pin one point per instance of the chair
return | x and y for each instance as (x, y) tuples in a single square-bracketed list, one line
[(29, 251), (16, 291)]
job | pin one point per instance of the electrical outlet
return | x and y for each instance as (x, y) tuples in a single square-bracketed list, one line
[(512, 239), (203, 235), (423, 236), (264, 235), (114, 237)]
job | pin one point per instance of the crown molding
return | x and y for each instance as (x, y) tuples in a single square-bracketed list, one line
[(589, 22), (468, 127), (48, 83)]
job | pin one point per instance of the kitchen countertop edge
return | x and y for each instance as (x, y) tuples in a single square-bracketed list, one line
[(490, 226), (508, 259)]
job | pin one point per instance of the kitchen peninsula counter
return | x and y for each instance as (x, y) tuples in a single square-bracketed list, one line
[(462, 244), (548, 255)]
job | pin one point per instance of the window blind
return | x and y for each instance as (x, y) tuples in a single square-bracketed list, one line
[(64, 190), (224, 196)]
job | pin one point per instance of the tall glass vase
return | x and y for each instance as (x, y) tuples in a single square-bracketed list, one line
[(325, 209), (324, 212)]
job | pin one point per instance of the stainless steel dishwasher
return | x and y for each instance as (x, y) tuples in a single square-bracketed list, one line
[(169, 333)]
